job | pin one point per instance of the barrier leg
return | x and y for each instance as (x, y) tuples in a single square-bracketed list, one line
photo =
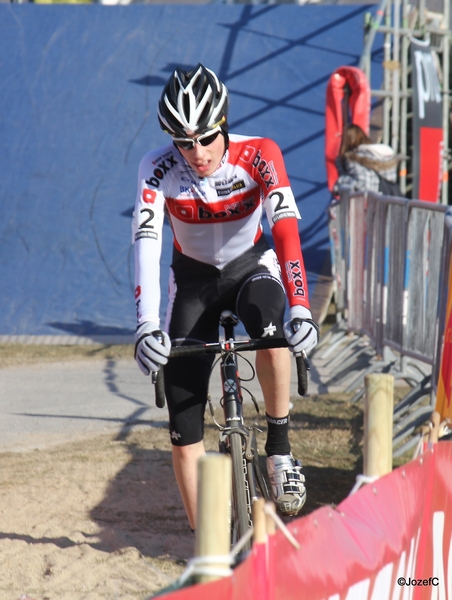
[(213, 517), (259, 522), (434, 431), (378, 411)]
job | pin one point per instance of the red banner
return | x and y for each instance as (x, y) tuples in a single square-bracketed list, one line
[(391, 540), (427, 123), (444, 391), (430, 163)]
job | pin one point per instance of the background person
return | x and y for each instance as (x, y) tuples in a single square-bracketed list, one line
[(360, 160), (214, 188)]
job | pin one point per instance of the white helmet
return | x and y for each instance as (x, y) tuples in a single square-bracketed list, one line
[(193, 102)]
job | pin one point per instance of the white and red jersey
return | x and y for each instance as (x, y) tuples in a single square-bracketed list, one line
[(215, 219)]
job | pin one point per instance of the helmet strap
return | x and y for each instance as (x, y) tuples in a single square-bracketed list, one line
[(224, 129)]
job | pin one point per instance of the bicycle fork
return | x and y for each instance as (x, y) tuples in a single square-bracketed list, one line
[(233, 414)]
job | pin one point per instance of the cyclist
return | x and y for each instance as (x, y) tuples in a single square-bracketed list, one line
[(213, 187)]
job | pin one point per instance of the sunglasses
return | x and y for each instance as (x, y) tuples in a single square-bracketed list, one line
[(203, 140)]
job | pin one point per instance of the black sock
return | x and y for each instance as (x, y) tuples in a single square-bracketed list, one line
[(277, 436)]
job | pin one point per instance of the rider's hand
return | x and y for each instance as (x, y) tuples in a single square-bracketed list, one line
[(301, 331), (150, 353)]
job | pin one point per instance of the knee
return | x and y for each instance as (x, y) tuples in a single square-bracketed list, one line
[(188, 453), (272, 357)]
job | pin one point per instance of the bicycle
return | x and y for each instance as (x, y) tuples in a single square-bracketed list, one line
[(236, 438)]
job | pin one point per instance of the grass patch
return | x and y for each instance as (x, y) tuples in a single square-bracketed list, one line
[(26, 354)]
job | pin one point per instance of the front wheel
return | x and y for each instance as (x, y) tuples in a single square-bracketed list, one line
[(258, 471), (240, 510)]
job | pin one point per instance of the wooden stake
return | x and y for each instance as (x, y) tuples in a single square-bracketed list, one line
[(213, 512), (259, 522), (434, 431), (378, 424), (271, 525)]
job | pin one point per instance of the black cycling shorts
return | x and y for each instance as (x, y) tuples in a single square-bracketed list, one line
[(251, 287)]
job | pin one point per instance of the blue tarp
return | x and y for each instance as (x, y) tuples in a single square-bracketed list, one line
[(79, 88)]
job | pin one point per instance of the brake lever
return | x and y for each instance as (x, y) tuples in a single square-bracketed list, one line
[(157, 376), (296, 324), (302, 362)]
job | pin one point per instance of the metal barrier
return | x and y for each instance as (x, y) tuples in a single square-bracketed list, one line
[(388, 262), (422, 275), (394, 251), (372, 300), (338, 235)]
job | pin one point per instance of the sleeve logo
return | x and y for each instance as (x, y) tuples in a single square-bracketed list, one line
[(295, 276), (149, 196), (266, 170), (161, 170)]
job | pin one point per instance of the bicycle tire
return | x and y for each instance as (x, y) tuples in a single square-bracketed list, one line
[(258, 474), (240, 517)]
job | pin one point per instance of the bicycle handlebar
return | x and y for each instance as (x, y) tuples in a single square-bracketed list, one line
[(301, 361), (228, 345)]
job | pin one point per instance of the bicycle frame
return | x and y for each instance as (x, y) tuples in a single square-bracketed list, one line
[(232, 398)]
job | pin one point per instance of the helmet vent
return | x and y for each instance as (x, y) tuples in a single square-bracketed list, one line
[(192, 102)]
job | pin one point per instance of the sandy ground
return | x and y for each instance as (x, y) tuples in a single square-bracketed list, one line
[(101, 518), (92, 519)]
